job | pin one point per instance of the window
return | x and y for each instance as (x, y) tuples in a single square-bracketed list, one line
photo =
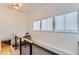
[(36, 25), (66, 22), (71, 22), (59, 23), (47, 24), (43, 25), (62, 23), (50, 24)]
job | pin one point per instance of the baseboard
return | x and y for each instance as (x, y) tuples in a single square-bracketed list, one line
[(53, 49)]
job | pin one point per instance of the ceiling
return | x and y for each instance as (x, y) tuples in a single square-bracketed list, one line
[(27, 7)]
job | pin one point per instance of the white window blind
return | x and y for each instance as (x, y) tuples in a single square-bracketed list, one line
[(44, 25), (47, 24), (71, 24), (63, 23), (50, 24), (36, 25), (59, 23)]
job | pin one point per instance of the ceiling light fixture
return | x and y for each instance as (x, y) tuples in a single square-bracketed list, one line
[(16, 5)]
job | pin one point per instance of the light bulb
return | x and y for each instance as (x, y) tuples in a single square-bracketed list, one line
[(16, 5)]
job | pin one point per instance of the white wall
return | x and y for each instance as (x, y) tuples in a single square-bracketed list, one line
[(12, 22), (63, 42)]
